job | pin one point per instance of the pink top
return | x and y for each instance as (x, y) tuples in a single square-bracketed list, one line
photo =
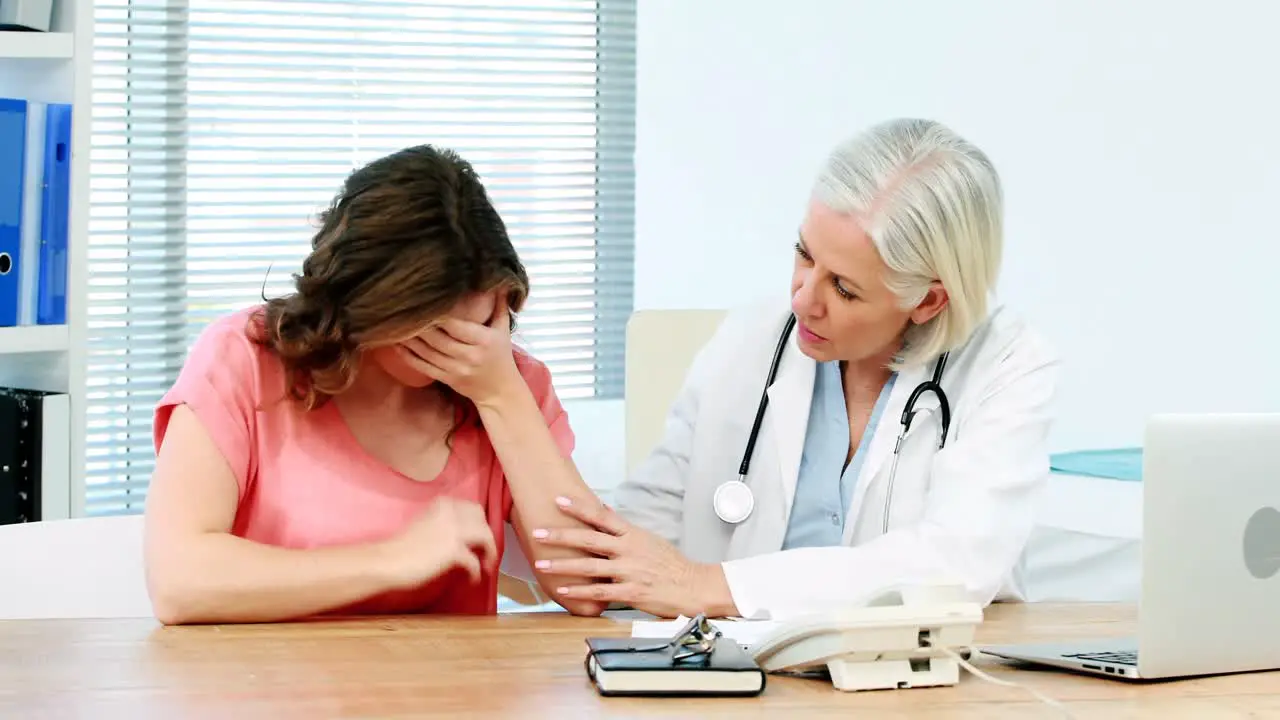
[(306, 482)]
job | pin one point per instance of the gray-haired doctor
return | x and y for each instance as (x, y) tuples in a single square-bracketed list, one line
[(846, 496)]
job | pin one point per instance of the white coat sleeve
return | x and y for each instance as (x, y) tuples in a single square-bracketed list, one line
[(978, 514)]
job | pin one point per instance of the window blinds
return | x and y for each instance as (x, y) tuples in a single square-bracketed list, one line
[(222, 127)]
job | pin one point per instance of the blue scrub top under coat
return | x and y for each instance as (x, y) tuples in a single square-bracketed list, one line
[(823, 490)]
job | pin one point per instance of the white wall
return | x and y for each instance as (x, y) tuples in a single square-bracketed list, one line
[(1137, 142)]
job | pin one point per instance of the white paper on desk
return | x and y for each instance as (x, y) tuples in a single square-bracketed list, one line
[(745, 632)]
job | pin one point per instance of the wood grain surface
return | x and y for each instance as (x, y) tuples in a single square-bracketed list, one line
[(522, 666)]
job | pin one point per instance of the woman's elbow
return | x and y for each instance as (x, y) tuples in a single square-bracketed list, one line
[(171, 615), (170, 605), (584, 608), (579, 607), (173, 600)]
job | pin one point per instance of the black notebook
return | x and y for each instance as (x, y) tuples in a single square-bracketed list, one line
[(630, 666)]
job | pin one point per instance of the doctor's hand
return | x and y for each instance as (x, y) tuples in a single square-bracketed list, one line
[(632, 566), (474, 359)]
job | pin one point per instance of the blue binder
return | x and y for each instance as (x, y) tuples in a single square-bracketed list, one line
[(13, 146), (32, 200), (51, 302)]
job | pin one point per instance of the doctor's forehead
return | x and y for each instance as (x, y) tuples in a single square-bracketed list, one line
[(838, 242)]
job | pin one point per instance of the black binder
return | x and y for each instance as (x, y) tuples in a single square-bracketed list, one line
[(22, 423), (636, 666)]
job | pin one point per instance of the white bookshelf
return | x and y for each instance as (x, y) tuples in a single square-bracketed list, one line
[(16, 341), (36, 46), (57, 67)]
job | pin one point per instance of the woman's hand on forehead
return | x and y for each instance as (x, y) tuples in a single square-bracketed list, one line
[(484, 309), (474, 359)]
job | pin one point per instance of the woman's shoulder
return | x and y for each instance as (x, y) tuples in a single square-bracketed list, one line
[(236, 328), (232, 333), (221, 381), (536, 374), (542, 386), (230, 343)]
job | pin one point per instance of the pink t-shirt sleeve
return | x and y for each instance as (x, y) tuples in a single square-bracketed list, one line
[(538, 377), (220, 383)]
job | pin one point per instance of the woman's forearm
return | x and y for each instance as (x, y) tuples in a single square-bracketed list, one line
[(537, 474), (218, 577)]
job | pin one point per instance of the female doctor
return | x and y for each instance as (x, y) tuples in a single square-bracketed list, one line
[(901, 442)]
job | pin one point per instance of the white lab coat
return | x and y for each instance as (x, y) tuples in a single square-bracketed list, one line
[(961, 515)]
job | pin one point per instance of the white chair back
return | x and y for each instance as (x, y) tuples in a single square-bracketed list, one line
[(80, 568), (661, 345)]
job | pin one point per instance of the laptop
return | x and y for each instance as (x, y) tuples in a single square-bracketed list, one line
[(1210, 593)]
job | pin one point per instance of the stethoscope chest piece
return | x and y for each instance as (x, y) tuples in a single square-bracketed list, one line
[(733, 501)]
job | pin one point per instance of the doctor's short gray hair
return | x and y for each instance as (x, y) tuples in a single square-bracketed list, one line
[(931, 203)]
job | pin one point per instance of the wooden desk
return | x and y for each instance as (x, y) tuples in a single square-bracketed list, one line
[(519, 666)]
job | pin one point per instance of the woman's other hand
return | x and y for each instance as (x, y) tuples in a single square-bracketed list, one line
[(450, 534)]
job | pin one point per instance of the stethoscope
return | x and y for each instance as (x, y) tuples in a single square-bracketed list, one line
[(733, 499)]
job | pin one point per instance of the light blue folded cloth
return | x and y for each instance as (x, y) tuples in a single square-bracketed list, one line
[(1112, 463)]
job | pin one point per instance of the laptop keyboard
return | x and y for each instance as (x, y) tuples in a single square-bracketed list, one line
[(1115, 658)]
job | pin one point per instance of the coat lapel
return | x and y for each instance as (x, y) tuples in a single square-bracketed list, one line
[(889, 427), (789, 399)]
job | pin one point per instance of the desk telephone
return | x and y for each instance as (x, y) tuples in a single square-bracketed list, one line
[(906, 638), (903, 638)]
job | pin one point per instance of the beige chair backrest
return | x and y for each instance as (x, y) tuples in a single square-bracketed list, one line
[(81, 568), (661, 345)]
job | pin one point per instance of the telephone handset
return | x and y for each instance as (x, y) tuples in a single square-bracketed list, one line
[(903, 638)]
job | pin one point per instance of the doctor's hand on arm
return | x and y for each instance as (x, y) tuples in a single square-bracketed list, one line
[(478, 362), (198, 572), (629, 565)]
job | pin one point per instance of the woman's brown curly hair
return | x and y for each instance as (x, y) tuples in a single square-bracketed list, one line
[(408, 237)]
